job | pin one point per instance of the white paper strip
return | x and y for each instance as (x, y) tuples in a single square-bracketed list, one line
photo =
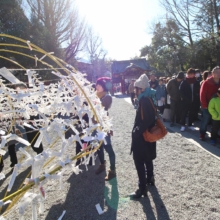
[(30, 74), (24, 152), (64, 212), (39, 139), (4, 203), (26, 200), (99, 209), (2, 152), (13, 176), (29, 126), (2, 176), (76, 169), (9, 76), (2, 132), (34, 210)]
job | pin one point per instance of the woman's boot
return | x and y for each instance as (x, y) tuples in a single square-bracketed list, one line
[(139, 193), (151, 181), (101, 168), (111, 174)]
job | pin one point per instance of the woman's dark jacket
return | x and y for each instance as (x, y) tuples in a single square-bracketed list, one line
[(173, 89), (186, 92), (143, 150)]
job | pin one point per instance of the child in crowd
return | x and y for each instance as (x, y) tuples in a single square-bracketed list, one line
[(214, 110)]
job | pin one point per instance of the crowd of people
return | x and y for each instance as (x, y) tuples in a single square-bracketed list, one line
[(186, 98)]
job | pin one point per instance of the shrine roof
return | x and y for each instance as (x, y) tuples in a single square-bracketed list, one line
[(121, 66)]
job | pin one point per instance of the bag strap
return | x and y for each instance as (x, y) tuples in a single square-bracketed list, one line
[(142, 115)]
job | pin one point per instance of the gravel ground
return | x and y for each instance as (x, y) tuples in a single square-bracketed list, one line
[(187, 181)]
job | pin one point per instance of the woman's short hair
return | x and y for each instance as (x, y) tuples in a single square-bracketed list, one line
[(205, 74)]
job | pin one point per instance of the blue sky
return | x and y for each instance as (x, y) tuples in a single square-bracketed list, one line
[(123, 25)]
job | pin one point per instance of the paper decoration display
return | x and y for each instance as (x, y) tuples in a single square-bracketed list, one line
[(56, 109)]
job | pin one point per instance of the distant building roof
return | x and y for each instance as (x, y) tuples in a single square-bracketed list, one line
[(81, 60), (121, 66)]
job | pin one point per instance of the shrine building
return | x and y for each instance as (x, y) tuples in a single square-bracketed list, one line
[(125, 70)]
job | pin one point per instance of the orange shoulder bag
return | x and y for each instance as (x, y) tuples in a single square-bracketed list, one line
[(158, 131)]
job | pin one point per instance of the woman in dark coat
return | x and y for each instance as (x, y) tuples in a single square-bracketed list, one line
[(143, 152)]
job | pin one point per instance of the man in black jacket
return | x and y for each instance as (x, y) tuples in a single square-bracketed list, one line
[(189, 90), (175, 98)]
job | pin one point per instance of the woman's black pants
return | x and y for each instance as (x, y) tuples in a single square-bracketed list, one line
[(188, 108), (215, 129), (30, 136), (12, 154), (143, 167)]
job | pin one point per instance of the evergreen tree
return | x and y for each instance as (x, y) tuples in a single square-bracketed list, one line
[(13, 22)]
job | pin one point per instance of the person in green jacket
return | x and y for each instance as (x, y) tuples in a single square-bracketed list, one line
[(214, 110)]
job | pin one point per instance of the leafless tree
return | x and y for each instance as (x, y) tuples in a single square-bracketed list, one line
[(94, 46), (56, 15), (77, 39), (62, 20), (183, 14)]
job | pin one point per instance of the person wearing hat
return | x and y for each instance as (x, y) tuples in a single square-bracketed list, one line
[(143, 152), (189, 90), (103, 85), (175, 98)]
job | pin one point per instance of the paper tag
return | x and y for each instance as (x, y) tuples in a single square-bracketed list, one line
[(2, 152), (42, 192), (99, 209), (2, 132), (84, 146), (9, 76), (64, 212)]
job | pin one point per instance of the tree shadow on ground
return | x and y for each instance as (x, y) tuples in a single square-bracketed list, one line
[(17, 184), (7, 170), (7, 175), (18, 181), (161, 210), (85, 191)]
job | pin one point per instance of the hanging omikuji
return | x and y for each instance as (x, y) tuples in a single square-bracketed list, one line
[(52, 110)]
